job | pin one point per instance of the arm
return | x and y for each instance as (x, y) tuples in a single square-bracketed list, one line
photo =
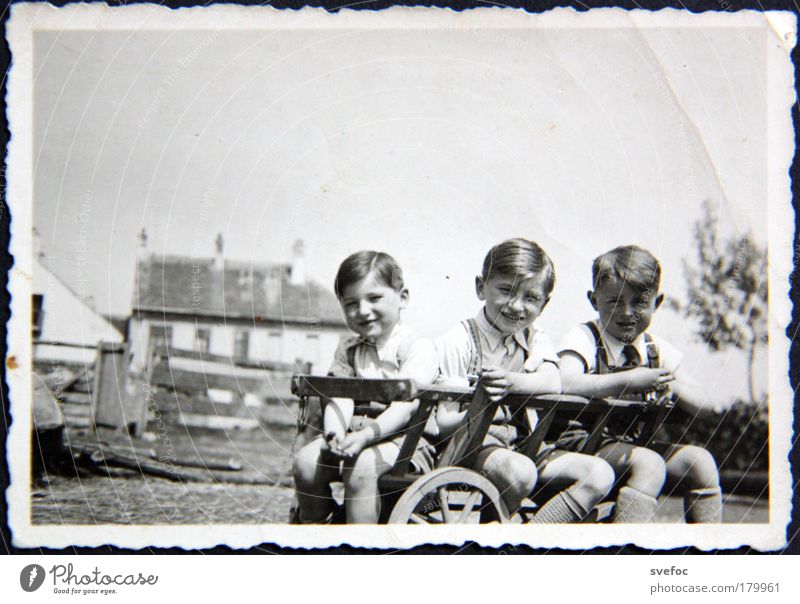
[(449, 414), (337, 416), (575, 380), (545, 380), (420, 365), (454, 350)]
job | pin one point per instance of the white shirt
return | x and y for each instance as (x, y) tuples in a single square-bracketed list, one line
[(456, 348), (580, 341), (404, 354)]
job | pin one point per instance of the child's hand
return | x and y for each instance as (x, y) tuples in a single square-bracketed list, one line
[(354, 443), (331, 446), (643, 379), (496, 382)]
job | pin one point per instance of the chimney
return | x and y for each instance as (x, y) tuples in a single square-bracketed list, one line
[(272, 289), (297, 272), (219, 259)]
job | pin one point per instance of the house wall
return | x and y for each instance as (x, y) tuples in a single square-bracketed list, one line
[(67, 319), (279, 343)]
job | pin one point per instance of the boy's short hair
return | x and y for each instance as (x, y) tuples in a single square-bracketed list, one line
[(629, 264), (521, 259), (361, 264)]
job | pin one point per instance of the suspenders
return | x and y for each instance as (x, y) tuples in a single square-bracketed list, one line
[(645, 431), (601, 355), (476, 360)]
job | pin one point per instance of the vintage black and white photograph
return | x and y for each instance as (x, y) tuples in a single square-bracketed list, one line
[(399, 277)]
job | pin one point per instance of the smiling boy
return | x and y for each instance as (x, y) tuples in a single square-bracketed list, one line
[(615, 356), (502, 345)]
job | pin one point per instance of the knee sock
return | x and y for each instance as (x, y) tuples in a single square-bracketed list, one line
[(703, 505), (561, 509), (633, 505)]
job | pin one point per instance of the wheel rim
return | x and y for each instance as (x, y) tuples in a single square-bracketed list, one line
[(448, 496)]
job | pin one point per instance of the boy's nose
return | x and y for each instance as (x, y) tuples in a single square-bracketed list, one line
[(363, 307), (515, 303)]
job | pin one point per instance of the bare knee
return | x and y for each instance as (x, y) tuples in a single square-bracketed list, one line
[(597, 479), (512, 473), (647, 471), (363, 474), (694, 468), (305, 465)]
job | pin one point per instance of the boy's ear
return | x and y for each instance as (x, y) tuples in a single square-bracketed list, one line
[(592, 299), (403, 298), (659, 300), (479, 285)]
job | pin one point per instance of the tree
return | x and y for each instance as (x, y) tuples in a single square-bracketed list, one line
[(727, 289)]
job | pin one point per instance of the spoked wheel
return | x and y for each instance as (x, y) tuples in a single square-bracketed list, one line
[(449, 496)]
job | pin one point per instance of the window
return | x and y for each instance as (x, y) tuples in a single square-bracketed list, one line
[(161, 335), (241, 344), (202, 339), (38, 315), (274, 346)]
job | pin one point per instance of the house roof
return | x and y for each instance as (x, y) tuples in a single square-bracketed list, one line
[(195, 286)]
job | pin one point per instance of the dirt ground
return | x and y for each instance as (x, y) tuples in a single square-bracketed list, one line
[(265, 456)]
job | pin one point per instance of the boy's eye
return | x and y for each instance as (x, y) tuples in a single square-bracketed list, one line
[(375, 298)]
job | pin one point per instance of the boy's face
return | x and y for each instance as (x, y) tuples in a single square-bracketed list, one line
[(372, 309), (625, 311), (512, 303)]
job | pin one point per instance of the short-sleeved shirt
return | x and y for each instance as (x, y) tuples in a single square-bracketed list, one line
[(580, 341), (404, 354), (522, 352)]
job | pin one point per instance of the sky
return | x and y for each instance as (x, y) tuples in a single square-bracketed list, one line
[(429, 145)]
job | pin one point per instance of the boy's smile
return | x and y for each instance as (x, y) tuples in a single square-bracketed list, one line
[(625, 311), (371, 309), (512, 303)]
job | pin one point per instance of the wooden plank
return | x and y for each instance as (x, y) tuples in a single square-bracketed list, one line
[(164, 352), (530, 444), (468, 437), (413, 433), (76, 398), (73, 421), (192, 381), (217, 422), (111, 405), (76, 410), (382, 391)]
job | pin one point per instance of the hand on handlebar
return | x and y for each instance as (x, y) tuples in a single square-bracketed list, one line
[(331, 446), (354, 443), (644, 379), (496, 382)]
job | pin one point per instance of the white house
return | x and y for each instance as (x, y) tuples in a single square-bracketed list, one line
[(65, 327), (253, 312)]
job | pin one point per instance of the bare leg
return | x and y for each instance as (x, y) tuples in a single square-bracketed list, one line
[(362, 497), (584, 481), (312, 480), (696, 471), (512, 473), (642, 473)]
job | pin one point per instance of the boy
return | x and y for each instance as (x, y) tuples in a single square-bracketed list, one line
[(502, 344), (614, 356)]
